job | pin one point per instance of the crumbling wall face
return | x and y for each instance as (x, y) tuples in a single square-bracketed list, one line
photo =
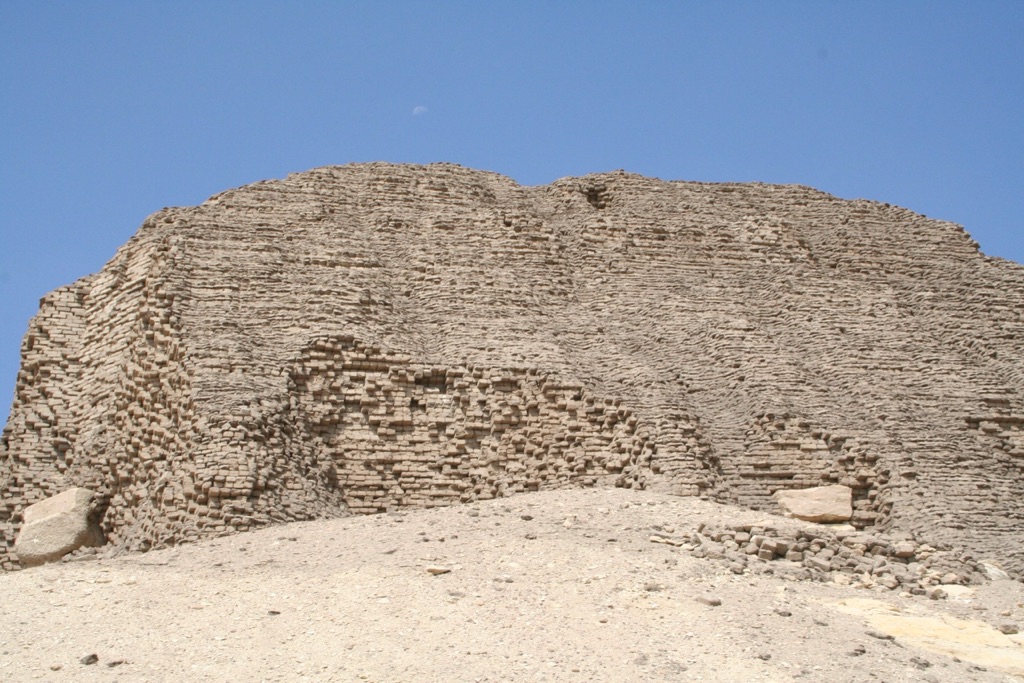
[(37, 443), (103, 400), (785, 451), (145, 458), (396, 433), (999, 427)]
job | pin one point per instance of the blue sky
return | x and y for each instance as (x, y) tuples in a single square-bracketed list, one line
[(111, 110)]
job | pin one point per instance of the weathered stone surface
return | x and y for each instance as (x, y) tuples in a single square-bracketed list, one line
[(993, 571), (362, 338), (57, 526), (819, 504)]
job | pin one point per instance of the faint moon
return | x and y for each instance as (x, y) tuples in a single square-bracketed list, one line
[(419, 110)]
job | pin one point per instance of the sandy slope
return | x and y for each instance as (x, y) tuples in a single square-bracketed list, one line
[(555, 586)]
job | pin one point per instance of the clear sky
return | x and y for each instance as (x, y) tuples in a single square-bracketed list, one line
[(110, 111)]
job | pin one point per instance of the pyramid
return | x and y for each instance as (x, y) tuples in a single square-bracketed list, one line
[(362, 338)]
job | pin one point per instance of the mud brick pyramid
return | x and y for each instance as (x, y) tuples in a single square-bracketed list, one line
[(360, 338)]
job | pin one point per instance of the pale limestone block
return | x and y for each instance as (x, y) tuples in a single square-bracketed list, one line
[(818, 504), (57, 526)]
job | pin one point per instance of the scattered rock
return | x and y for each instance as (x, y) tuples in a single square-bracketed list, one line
[(879, 635), (437, 570), (666, 540), (993, 571), (822, 565), (709, 600), (1009, 628), (904, 550), (89, 659)]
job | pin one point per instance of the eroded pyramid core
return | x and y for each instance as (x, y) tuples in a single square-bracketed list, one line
[(362, 338)]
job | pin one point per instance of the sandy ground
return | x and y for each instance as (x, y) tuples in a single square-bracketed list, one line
[(553, 586)]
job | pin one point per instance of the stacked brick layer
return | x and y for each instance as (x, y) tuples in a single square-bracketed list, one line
[(358, 338)]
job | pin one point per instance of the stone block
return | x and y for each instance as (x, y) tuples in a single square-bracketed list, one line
[(57, 526), (818, 564), (823, 504)]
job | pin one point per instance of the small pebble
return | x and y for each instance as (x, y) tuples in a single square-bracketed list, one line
[(920, 663)]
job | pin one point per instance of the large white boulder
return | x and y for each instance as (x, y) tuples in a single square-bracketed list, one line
[(57, 526), (818, 504)]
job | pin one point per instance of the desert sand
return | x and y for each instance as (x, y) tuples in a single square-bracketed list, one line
[(552, 586)]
